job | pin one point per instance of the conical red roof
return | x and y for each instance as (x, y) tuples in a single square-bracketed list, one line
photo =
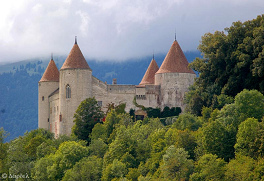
[(75, 59), (149, 77), (51, 73), (175, 61)]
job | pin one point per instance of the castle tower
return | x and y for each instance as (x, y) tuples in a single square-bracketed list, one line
[(174, 77), (47, 84), (75, 86), (147, 93), (149, 77)]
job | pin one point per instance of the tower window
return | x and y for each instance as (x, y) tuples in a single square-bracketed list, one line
[(68, 91), (42, 98), (100, 103)]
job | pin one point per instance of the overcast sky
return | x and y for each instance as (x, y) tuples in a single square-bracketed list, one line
[(113, 29)]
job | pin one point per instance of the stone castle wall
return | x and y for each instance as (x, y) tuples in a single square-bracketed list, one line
[(80, 82), (148, 95), (44, 90), (173, 87), (54, 113)]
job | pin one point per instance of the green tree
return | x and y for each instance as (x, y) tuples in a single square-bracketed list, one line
[(99, 131), (54, 166), (88, 168), (111, 120), (209, 167), (181, 139), (98, 148), (250, 103), (176, 165), (133, 174), (87, 115), (3, 152), (22, 151), (259, 170), (116, 169), (240, 168), (217, 139), (231, 62), (250, 138), (187, 121)]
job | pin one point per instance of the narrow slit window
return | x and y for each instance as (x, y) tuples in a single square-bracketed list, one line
[(68, 91)]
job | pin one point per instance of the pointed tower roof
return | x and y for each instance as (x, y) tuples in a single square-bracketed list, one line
[(149, 77), (51, 73), (75, 59), (175, 61)]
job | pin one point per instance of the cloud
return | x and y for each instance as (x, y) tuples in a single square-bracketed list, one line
[(112, 29)]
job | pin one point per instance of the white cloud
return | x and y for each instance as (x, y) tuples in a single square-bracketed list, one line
[(113, 29)]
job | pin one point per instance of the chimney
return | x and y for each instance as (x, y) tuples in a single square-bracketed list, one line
[(114, 81)]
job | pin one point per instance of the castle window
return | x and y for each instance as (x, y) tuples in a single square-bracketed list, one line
[(100, 103), (68, 91), (141, 97), (42, 98)]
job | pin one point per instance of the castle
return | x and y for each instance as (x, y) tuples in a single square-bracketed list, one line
[(61, 92)]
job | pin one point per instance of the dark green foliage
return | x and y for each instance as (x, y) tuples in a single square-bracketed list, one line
[(250, 104), (250, 138), (187, 121), (209, 167), (3, 152), (86, 116), (153, 112), (132, 113), (240, 168), (176, 165), (22, 152), (120, 108), (167, 112), (216, 139), (192, 148), (231, 62), (88, 168)]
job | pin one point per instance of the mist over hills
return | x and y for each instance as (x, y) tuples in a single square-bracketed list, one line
[(19, 86)]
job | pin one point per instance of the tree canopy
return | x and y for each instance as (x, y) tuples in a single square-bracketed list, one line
[(86, 116), (232, 61)]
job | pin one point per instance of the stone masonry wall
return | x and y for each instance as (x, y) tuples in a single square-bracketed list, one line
[(45, 89), (173, 87)]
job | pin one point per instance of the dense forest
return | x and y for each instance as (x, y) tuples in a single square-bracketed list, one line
[(219, 137)]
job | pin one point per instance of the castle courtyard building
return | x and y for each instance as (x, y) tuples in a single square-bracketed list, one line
[(62, 91)]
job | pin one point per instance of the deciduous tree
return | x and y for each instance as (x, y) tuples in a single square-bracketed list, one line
[(86, 116)]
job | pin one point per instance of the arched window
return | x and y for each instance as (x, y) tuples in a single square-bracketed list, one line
[(68, 91)]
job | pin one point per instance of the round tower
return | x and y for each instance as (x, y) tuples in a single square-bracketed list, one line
[(75, 86), (174, 77), (47, 84)]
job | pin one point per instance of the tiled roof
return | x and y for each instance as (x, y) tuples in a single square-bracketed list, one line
[(149, 77), (75, 59), (175, 61), (51, 73)]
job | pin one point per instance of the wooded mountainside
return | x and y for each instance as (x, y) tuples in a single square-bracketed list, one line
[(219, 137)]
